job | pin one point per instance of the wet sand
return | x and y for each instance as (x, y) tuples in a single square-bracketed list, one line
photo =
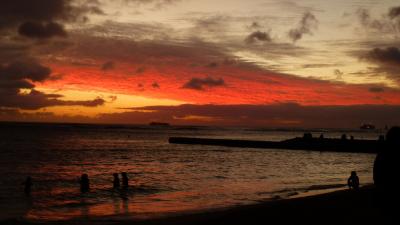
[(339, 207)]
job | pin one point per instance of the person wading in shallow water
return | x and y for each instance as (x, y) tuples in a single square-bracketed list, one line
[(125, 180), (353, 182), (386, 174), (84, 182), (116, 181), (27, 186)]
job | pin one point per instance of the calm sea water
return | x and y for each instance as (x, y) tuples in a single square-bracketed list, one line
[(165, 178)]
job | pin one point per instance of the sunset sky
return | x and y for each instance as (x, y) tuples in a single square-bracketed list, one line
[(311, 63)]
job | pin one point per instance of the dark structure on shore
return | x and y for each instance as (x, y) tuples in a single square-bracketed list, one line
[(386, 174), (305, 143)]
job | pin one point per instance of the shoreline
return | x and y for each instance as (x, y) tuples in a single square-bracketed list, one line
[(337, 207)]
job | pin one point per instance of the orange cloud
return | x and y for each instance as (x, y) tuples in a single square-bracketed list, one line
[(241, 85)]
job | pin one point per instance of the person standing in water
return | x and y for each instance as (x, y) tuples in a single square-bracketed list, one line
[(353, 182), (116, 181), (84, 182), (27, 185), (125, 180)]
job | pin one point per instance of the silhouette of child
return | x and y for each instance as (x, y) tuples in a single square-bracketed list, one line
[(353, 182), (84, 182), (116, 181), (125, 180), (27, 185)]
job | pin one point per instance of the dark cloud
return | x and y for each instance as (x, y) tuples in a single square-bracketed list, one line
[(14, 12), (368, 22), (113, 98), (388, 23), (394, 12), (212, 65), (21, 70), (258, 36), (376, 89), (200, 83), (140, 70), (140, 87), (390, 55), (108, 66), (338, 74), (307, 23), (12, 50), (286, 114), (22, 75), (387, 61), (35, 100), (211, 24), (41, 30), (317, 65), (41, 18), (155, 85), (255, 25)]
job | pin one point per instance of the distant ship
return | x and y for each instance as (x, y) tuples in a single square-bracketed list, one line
[(159, 124), (367, 127)]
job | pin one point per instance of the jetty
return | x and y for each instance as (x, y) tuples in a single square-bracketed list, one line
[(298, 143)]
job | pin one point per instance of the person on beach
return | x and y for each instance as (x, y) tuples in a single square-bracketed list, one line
[(353, 182), (386, 171), (116, 181), (84, 182), (125, 180), (27, 185)]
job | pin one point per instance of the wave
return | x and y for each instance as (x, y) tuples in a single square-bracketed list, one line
[(289, 192), (325, 187)]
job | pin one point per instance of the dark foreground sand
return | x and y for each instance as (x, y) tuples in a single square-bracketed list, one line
[(340, 207)]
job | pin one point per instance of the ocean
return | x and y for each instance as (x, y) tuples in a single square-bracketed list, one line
[(165, 179)]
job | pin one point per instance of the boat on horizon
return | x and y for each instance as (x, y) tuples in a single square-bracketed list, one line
[(367, 126), (159, 124)]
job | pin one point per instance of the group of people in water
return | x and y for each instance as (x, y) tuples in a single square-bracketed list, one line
[(117, 183), (85, 183)]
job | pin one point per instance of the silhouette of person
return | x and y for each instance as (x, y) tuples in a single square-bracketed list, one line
[(386, 172), (381, 138), (307, 136), (344, 137), (27, 185), (125, 180), (353, 182), (84, 182), (116, 184), (321, 136)]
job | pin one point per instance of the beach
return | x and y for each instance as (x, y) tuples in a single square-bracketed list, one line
[(339, 207)]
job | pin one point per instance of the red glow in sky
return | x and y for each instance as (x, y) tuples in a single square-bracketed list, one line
[(95, 61)]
